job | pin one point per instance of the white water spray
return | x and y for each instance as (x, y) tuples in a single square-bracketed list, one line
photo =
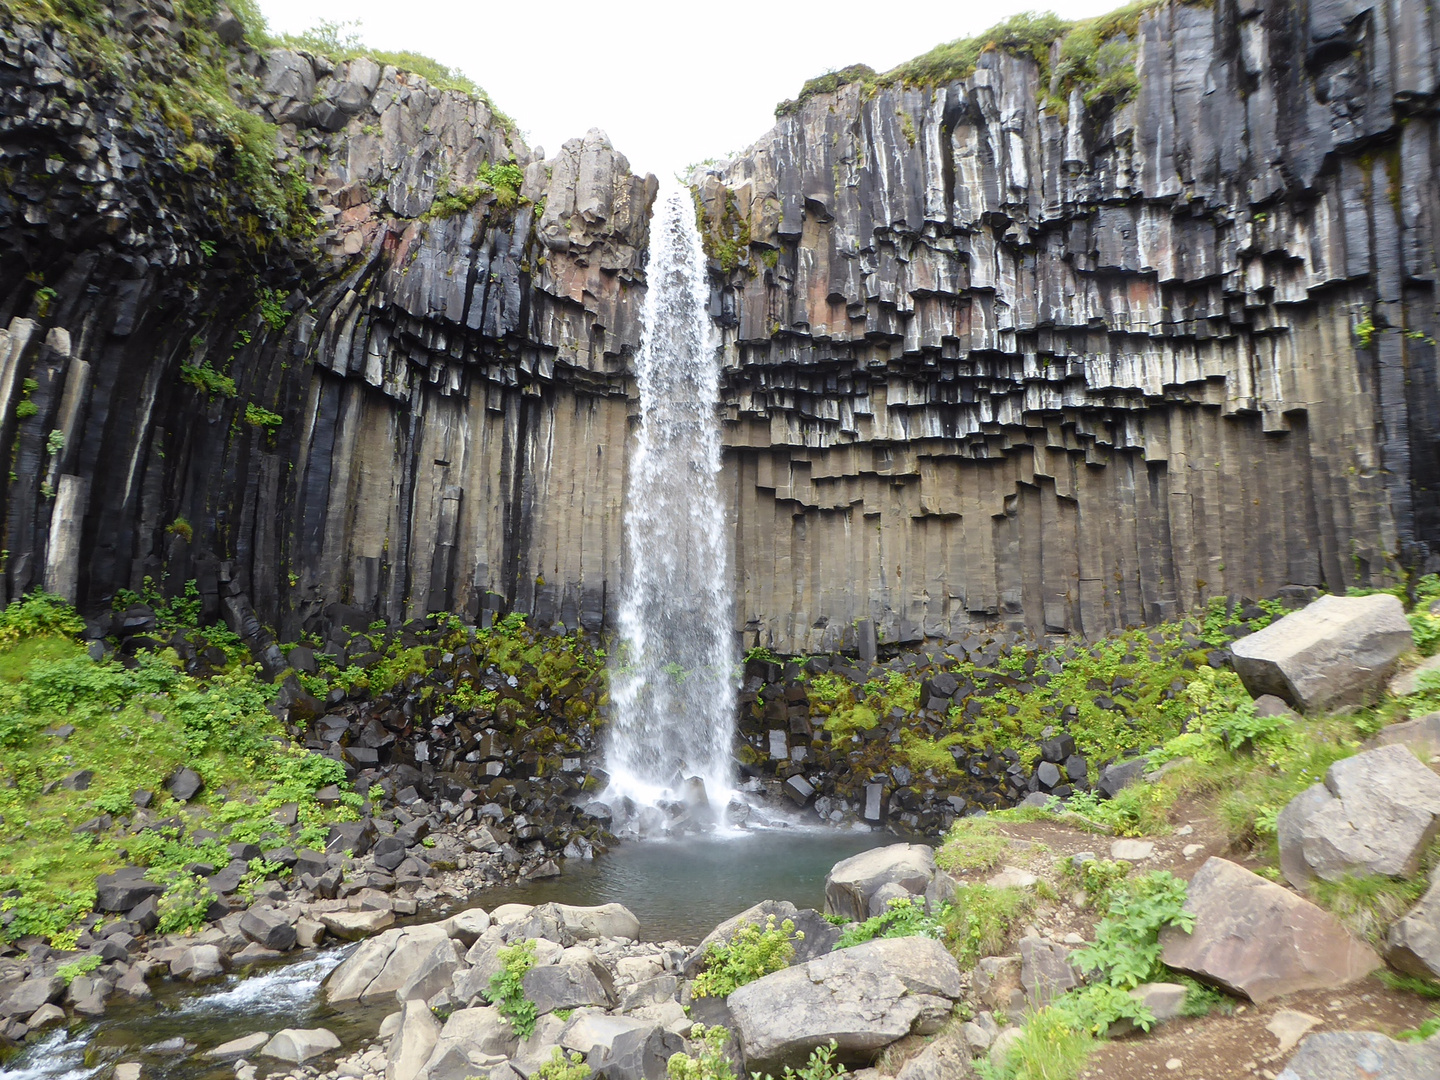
[(673, 686)]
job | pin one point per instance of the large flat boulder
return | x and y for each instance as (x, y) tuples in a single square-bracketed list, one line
[(857, 887), (864, 998), (602, 921), (380, 966), (1375, 814), (1259, 940), (1334, 653), (1353, 1055)]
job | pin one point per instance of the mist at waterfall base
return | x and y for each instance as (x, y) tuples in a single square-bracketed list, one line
[(672, 680)]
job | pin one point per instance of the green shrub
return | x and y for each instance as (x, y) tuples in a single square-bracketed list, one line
[(712, 1064), (751, 953), (38, 614), (183, 906), (507, 990), (205, 378), (75, 968), (1052, 1046), (973, 843), (903, 917), (1126, 950), (1097, 877), (561, 1067), (259, 417)]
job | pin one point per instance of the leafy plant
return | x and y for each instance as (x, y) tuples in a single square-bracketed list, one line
[(75, 968), (273, 311), (1097, 877), (563, 1067), (259, 417), (903, 917), (1052, 1046), (184, 904), (712, 1062), (752, 952), (1126, 950), (821, 1065), (204, 377), (1424, 1030), (507, 990)]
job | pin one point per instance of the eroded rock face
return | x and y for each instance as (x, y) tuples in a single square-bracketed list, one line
[(863, 997), (986, 361), (1258, 940), (1339, 651), (999, 334)]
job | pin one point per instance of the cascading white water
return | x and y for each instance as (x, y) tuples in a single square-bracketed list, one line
[(672, 686)]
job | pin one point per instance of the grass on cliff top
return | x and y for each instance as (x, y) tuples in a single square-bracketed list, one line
[(1095, 55), (340, 41), (133, 727)]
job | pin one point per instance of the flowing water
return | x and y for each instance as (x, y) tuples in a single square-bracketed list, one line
[(673, 680)]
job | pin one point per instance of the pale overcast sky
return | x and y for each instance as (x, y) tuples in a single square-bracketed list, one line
[(671, 82)]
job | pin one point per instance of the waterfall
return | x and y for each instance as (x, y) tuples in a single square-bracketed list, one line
[(672, 682)]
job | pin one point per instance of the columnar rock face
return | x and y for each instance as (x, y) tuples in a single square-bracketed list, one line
[(991, 363), (987, 361), (448, 394)]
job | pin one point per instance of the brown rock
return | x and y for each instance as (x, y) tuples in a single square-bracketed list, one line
[(1255, 938)]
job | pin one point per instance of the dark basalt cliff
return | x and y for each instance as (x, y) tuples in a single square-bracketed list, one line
[(1072, 373), (988, 361)]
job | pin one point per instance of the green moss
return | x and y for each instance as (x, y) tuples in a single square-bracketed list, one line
[(503, 182)]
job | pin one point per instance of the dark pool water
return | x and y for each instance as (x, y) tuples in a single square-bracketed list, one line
[(682, 889)]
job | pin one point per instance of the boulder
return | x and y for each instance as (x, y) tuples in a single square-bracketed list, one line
[(820, 934), (466, 926), (269, 927), (124, 890), (1421, 734), (851, 885), (354, 925), (604, 921), (433, 973), (31, 994), (381, 965), (1408, 682), (1375, 814), (411, 1046), (1413, 945), (1349, 1055), (1256, 939), (185, 784), (947, 1058), (864, 998), (197, 963), (242, 1047), (1115, 778), (1045, 971), (1336, 652), (299, 1045), (470, 1040), (578, 980), (621, 1047)]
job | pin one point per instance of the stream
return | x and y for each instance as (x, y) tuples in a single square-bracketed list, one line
[(679, 889)]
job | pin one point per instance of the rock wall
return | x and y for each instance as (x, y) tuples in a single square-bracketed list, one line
[(992, 361), (988, 362), (451, 391)]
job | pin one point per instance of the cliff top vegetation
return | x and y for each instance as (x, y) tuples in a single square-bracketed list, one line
[(1096, 56)]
